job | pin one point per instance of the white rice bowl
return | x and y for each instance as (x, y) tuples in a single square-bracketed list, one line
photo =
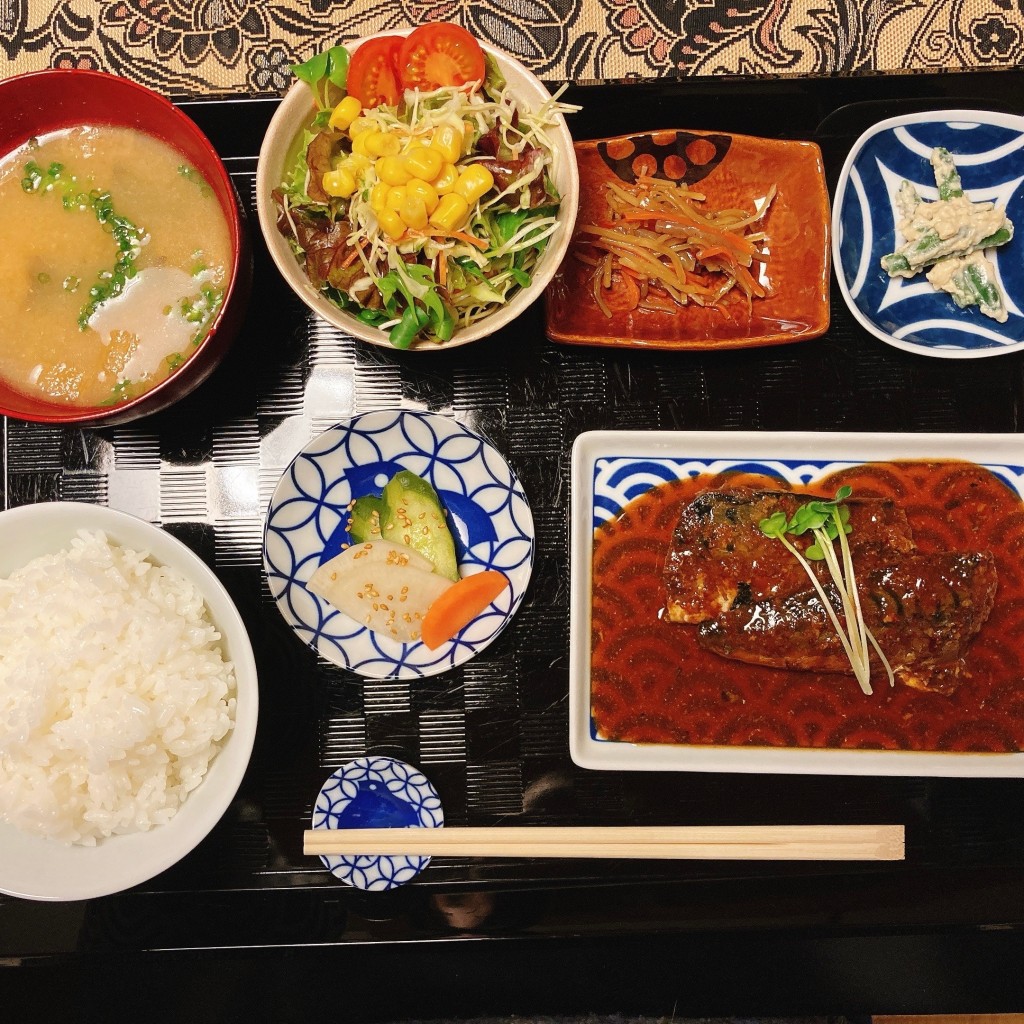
[(128, 701), (114, 695)]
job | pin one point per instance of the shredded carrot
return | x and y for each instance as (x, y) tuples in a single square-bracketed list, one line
[(442, 268), (657, 234), (356, 252), (706, 252)]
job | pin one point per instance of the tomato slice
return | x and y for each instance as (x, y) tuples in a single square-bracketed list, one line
[(439, 55), (373, 72)]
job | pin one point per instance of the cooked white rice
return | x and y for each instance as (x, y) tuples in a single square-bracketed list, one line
[(114, 694)]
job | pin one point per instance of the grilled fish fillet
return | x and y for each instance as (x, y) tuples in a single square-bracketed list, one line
[(754, 603), (719, 553)]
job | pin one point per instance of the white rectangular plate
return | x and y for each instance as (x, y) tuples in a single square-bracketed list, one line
[(610, 468)]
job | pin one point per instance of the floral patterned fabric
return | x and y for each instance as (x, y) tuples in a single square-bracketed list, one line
[(198, 47)]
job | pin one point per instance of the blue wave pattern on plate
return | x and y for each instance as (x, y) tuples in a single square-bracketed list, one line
[(989, 153), (377, 792), (306, 526), (620, 479)]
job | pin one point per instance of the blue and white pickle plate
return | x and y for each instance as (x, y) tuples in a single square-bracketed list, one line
[(377, 792), (610, 468), (488, 514), (988, 150)]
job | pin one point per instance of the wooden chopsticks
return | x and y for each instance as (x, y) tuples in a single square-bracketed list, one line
[(657, 842)]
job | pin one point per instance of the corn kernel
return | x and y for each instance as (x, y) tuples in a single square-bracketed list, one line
[(474, 182), (391, 169), (392, 224), (379, 196), (345, 113), (424, 163), (381, 144), (397, 194), (359, 126), (359, 141), (340, 183), (425, 191), (448, 141), (451, 213), (357, 163), (445, 181), (413, 212)]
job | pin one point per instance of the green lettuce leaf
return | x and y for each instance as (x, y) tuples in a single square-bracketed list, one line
[(331, 65)]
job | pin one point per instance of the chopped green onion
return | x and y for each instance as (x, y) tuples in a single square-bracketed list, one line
[(127, 236), (191, 174)]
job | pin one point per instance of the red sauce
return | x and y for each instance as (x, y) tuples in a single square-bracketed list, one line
[(651, 682)]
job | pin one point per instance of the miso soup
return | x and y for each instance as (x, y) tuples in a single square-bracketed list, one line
[(114, 260)]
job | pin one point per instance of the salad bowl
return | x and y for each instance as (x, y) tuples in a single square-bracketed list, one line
[(277, 153)]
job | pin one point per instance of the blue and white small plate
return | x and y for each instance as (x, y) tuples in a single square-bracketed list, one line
[(488, 514), (377, 792), (988, 150)]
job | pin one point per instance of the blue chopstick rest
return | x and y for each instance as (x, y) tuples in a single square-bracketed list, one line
[(377, 792)]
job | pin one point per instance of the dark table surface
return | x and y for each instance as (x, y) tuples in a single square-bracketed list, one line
[(247, 926)]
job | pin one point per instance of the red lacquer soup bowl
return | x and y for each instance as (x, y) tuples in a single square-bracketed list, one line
[(41, 103)]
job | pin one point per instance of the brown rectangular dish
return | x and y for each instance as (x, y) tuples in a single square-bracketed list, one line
[(731, 172)]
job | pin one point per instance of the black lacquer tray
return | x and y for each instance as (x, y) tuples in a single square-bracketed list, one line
[(265, 928)]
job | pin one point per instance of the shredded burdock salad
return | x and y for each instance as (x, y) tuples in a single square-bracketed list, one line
[(661, 247), (418, 210)]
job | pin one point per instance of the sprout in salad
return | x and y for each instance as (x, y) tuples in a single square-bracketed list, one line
[(426, 216)]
